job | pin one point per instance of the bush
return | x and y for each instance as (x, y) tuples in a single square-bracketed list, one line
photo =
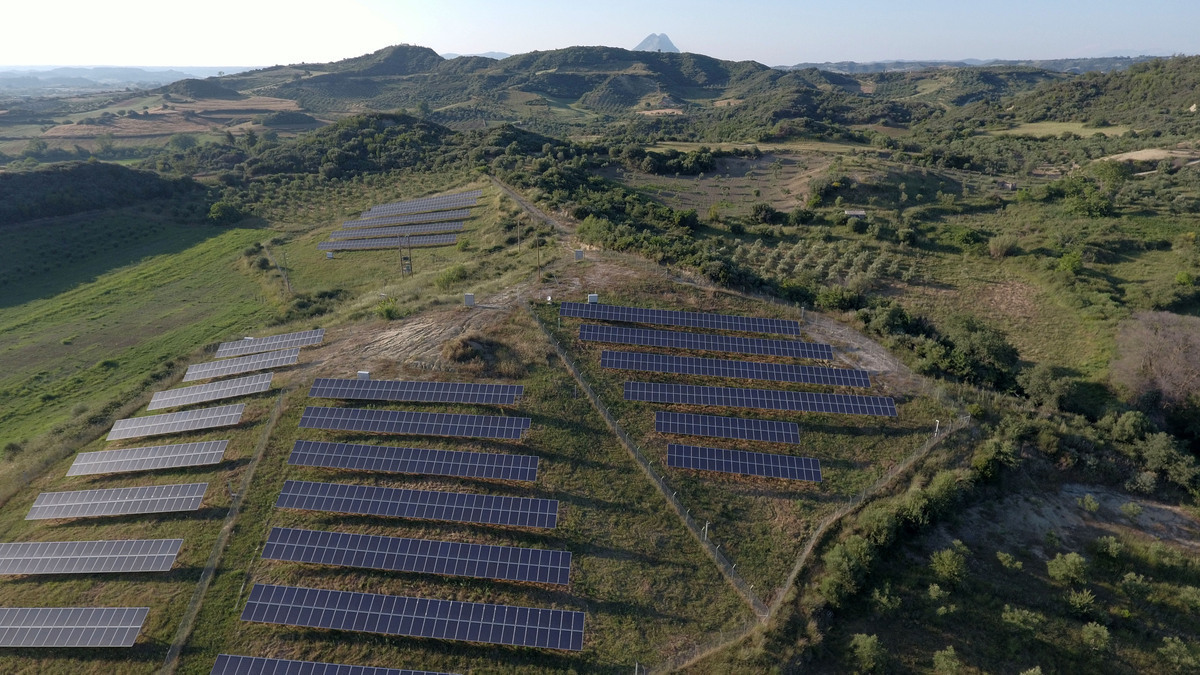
[(451, 276), (1067, 569), (1002, 246), (945, 662), (1182, 657), (224, 213), (387, 310), (838, 298), (868, 653), (950, 565), (1024, 620), (1082, 602), (1095, 636)]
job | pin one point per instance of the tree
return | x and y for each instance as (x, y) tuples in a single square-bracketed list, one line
[(223, 213), (764, 213), (868, 653), (1182, 657)]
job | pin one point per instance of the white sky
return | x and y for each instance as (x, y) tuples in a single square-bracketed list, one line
[(774, 32)]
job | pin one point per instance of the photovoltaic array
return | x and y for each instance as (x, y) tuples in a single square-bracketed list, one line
[(257, 665), (416, 617), (89, 557), (414, 460), (242, 364), (742, 462), (747, 370), (726, 427), (414, 423), (766, 399), (419, 504), (213, 391), (118, 501), (649, 337), (148, 458), (272, 343), (388, 242), (425, 204), (425, 392), (665, 317), (395, 231), (397, 554), (71, 626), (408, 219), (170, 423)]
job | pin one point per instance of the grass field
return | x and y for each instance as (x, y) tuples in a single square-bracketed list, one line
[(1058, 128)]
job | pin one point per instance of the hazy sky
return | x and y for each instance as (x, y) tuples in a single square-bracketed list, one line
[(774, 32)]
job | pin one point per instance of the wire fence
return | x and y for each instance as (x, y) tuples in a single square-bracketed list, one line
[(660, 481)]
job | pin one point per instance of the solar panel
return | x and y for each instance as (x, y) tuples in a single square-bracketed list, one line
[(765, 399), (242, 364), (747, 370), (425, 392), (271, 343), (397, 554), (726, 427), (89, 557), (148, 458), (415, 617), (171, 423), (256, 665), (649, 337), (414, 423), (396, 231), (213, 391), (71, 626), (742, 462), (388, 242), (414, 460), (408, 219), (118, 501), (666, 317), (459, 507)]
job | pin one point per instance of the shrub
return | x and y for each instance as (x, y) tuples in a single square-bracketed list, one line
[(950, 565), (1002, 246), (868, 653), (1108, 546), (1067, 569), (1095, 636), (387, 310), (1181, 656), (1088, 503), (451, 276), (1071, 263), (945, 662), (1021, 619), (1081, 602), (838, 298), (1008, 561), (1131, 510)]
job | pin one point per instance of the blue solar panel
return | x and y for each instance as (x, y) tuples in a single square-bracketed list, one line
[(397, 554), (414, 460), (388, 242), (425, 392), (665, 317), (726, 427), (416, 617), (457, 507), (256, 665), (395, 231), (650, 337), (765, 399), (414, 423), (408, 219), (742, 462), (747, 370)]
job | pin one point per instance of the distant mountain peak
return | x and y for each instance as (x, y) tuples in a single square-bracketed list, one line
[(656, 43)]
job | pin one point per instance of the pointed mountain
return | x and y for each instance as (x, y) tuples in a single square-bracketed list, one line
[(657, 43)]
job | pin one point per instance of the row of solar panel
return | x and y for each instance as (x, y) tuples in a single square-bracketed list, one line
[(765, 399), (388, 242), (228, 664), (242, 364), (746, 370), (71, 626), (272, 343), (399, 554), (650, 337), (457, 507), (439, 203), (416, 617), (396, 231), (425, 392), (742, 462), (118, 501), (89, 557), (390, 459), (408, 219), (414, 423), (665, 317)]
